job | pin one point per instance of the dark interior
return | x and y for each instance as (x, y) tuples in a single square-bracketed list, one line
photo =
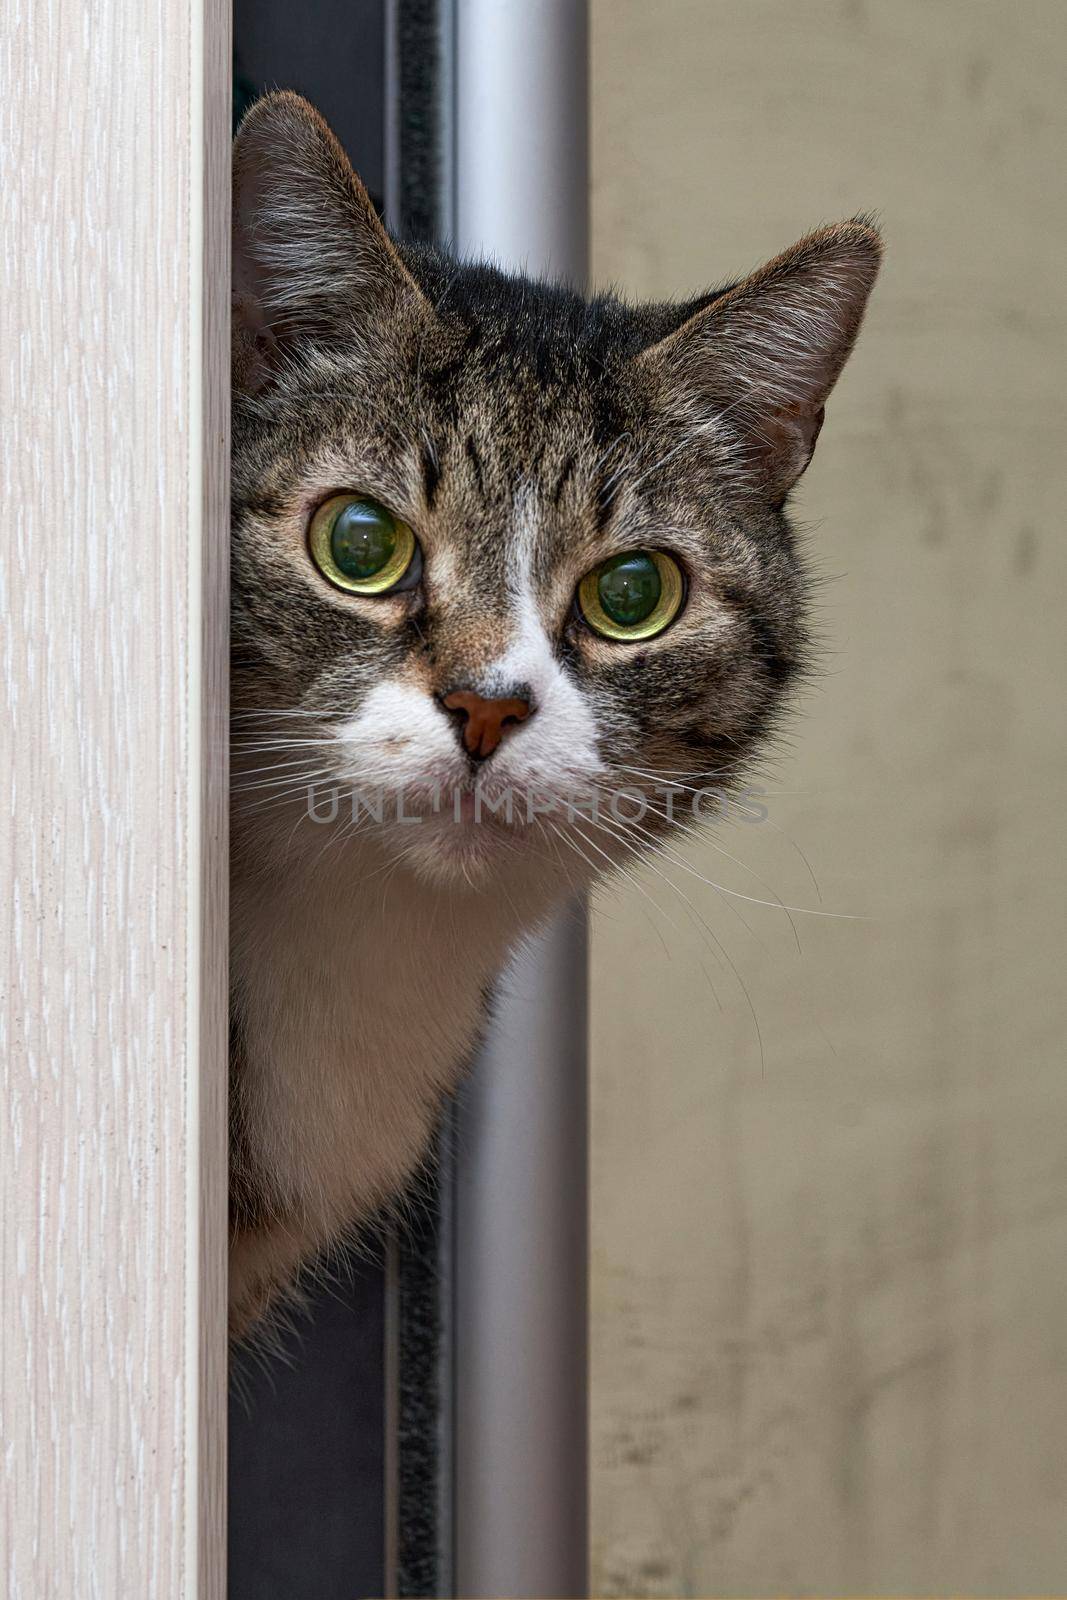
[(307, 1422)]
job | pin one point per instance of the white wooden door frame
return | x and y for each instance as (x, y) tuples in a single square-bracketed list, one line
[(114, 162)]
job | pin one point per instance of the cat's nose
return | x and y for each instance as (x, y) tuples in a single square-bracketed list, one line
[(483, 723)]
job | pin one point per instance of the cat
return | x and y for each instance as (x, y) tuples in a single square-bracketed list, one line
[(495, 545)]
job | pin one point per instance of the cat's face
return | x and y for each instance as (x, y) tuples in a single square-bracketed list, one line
[(500, 554)]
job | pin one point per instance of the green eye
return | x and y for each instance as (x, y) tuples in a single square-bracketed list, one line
[(360, 546), (632, 596)]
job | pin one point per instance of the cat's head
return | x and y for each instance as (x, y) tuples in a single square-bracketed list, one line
[(492, 539)]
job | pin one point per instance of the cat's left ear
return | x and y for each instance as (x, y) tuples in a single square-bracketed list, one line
[(310, 257), (759, 361)]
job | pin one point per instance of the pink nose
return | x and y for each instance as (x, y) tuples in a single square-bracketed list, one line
[(484, 722)]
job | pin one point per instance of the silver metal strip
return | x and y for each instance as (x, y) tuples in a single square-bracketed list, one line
[(520, 1299), (520, 196), (391, 170)]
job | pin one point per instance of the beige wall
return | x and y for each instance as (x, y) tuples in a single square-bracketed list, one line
[(830, 1296)]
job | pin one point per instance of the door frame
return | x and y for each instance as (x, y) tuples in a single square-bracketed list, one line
[(115, 131)]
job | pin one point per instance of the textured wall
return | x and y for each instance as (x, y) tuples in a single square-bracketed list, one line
[(830, 1324), (114, 134)]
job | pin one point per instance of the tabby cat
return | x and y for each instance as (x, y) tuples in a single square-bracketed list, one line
[(495, 547)]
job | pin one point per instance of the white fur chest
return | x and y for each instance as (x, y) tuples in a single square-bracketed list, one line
[(361, 993)]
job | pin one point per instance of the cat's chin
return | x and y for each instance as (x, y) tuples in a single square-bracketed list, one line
[(452, 856)]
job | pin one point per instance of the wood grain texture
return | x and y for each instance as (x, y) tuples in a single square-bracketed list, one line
[(829, 1304), (113, 371)]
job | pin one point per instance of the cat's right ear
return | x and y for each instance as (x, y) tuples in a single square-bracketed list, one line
[(311, 260)]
